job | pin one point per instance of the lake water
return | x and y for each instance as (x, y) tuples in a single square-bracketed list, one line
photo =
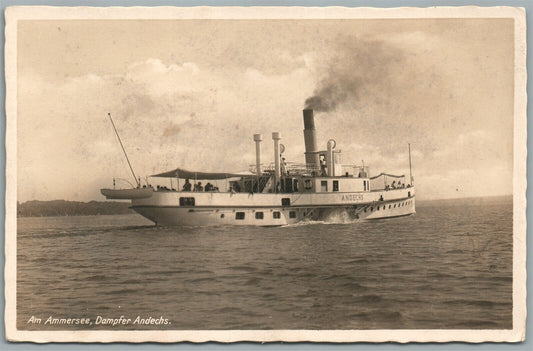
[(448, 266)]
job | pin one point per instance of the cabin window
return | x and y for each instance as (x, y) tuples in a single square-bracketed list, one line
[(292, 214), (285, 201), (239, 215), (324, 186), (259, 215), (295, 185), (276, 215), (335, 185), (222, 216), (307, 184), (186, 201), (371, 209)]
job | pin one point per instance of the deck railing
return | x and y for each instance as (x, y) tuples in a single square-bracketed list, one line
[(302, 169)]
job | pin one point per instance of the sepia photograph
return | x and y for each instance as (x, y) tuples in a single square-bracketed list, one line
[(265, 174)]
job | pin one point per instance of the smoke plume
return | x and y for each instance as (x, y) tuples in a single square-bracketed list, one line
[(354, 66)]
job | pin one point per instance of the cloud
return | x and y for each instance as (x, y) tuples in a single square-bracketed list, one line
[(473, 148), (159, 79)]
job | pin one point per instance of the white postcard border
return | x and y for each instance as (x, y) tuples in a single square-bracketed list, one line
[(15, 14)]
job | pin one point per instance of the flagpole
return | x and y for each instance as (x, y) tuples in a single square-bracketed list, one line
[(410, 171)]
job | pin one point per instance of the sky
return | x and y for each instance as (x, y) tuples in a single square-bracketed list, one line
[(191, 94)]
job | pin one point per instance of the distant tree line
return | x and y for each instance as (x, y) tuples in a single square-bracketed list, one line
[(71, 208)]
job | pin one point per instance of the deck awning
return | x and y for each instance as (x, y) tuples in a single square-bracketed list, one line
[(387, 175), (184, 174)]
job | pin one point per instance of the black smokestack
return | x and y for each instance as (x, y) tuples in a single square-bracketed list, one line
[(354, 67), (311, 156), (309, 120)]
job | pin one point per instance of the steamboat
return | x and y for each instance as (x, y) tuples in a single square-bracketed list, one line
[(277, 194)]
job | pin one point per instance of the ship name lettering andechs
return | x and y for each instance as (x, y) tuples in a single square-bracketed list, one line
[(352, 197)]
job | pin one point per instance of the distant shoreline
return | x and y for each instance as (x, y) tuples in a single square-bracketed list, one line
[(55, 208)]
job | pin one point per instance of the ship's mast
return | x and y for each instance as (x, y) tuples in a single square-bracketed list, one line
[(124, 150), (410, 171)]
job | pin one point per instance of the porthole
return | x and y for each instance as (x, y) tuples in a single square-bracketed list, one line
[(222, 216)]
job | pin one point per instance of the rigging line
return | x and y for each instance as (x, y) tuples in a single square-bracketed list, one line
[(410, 171), (124, 150)]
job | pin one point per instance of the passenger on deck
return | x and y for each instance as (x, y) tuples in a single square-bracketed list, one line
[(209, 187), (284, 166), (323, 167), (187, 185), (393, 185), (200, 187)]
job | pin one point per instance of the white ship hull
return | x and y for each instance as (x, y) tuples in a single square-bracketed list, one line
[(213, 208)]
